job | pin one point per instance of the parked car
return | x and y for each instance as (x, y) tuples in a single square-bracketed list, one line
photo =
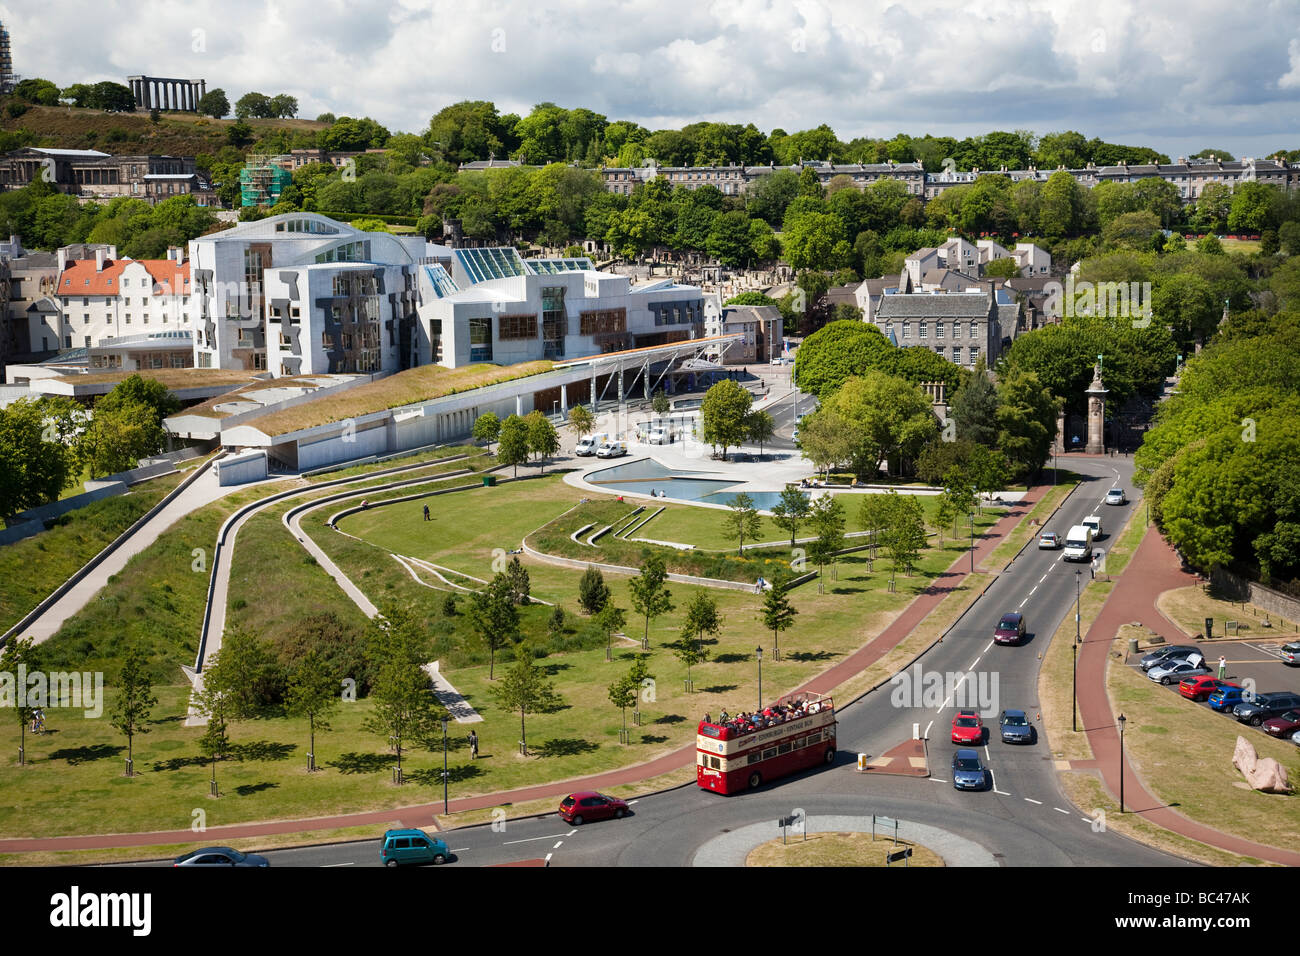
[(1225, 699), (611, 449), (658, 436), (1116, 496), (1016, 728), (1264, 706), (1049, 541), (1284, 725), (579, 808), (412, 846), (967, 771), (1169, 672), (1201, 687), (220, 856), (589, 444), (967, 728), (1291, 654), (1010, 629), (1155, 657)]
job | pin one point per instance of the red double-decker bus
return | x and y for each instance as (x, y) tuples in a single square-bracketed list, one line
[(743, 752)]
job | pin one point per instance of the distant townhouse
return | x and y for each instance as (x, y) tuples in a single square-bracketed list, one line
[(91, 174), (733, 180), (959, 326)]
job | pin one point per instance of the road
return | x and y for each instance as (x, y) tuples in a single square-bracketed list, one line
[(1024, 819)]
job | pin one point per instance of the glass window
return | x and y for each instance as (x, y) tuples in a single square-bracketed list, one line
[(480, 340)]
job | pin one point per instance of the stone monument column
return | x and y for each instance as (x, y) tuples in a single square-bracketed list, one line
[(1096, 414), (1058, 446)]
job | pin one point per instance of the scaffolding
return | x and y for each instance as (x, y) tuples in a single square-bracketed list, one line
[(262, 179), (8, 79)]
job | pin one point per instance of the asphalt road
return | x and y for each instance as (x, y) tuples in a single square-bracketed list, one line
[(1024, 818)]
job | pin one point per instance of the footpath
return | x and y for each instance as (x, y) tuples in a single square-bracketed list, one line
[(1154, 569), (419, 816)]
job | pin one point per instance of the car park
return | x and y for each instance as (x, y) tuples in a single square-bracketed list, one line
[(968, 772), (1264, 706), (1284, 725), (1010, 629), (1202, 686), (1015, 727), (1155, 657), (1173, 671), (588, 805), (1225, 699), (412, 846), (220, 856), (967, 728), (1049, 541), (1116, 496)]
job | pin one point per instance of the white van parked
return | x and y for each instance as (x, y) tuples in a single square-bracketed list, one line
[(588, 444)]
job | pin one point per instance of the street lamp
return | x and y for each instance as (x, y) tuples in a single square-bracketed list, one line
[(972, 542), (1122, 721), (444, 766), (1074, 656), (758, 651)]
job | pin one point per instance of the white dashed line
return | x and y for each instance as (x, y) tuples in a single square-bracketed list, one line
[(558, 845), (1043, 578), (1059, 810), (973, 663), (987, 646), (329, 865), (1032, 590), (572, 832), (630, 802), (1037, 802), (531, 839), (459, 849), (938, 780), (1023, 603), (1003, 792), (926, 735), (548, 857)]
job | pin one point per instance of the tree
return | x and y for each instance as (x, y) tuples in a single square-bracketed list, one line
[(610, 619), (283, 106), (660, 403), (512, 447), (405, 707), (494, 619), (112, 97), (874, 514), (1253, 207), (778, 614), (1059, 205), (889, 420), (944, 515), (742, 520), (905, 534), (516, 582), (313, 693), (1026, 422), (581, 420), (254, 681), (19, 654), (650, 598), (34, 465), (542, 438), (723, 415), (524, 688), (701, 618), (214, 103), (138, 390), (623, 694), (791, 511), (759, 428), (487, 428), (239, 134), (135, 701), (827, 519), (37, 90), (593, 593), (975, 406), (253, 104), (1187, 305)]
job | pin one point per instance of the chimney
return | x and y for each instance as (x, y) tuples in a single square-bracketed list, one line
[(63, 259), (99, 259)]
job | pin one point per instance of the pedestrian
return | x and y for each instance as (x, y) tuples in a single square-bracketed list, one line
[(1223, 667), (473, 745), (426, 512)]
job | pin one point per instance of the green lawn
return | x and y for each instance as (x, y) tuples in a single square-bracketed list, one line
[(32, 568)]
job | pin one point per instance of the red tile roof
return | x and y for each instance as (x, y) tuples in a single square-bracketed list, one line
[(79, 277)]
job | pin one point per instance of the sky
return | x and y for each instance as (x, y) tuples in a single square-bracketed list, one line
[(1178, 75)]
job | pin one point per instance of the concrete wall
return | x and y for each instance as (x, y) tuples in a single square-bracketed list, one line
[(239, 469), (24, 529), (63, 506), (1265, 598)]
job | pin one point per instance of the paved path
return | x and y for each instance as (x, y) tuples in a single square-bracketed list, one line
[(674, 760), (450, 697), (1154, 569)]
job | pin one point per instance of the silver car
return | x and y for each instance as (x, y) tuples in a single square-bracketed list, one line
[(1116, 497), (1175, 671)]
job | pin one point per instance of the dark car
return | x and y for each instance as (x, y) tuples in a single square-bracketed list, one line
[(1015, 727), (967, 771), (1264, 706), (220, 856), (1226, 697), (1011, 629), (1177, 650), (578, 808), (1283, 726)]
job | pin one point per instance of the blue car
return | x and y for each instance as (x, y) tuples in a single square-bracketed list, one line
[(1226, 698), (967, 771)]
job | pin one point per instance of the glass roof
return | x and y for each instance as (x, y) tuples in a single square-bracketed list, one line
[(494, 263), (552, 266), (443, 284)]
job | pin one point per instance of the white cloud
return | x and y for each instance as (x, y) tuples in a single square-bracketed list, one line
[(1291, 80)]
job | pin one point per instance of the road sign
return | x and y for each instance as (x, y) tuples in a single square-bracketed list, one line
[(903, 854)]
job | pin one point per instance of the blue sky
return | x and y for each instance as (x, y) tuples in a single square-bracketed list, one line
[(1178, 75)]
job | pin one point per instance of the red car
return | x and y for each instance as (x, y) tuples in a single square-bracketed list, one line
[(1201, 687), (578, 808), (1283, 726), (967, 728)]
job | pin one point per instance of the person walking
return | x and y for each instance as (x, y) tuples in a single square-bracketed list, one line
[(473, 745), (1223, 667), (426, 512)]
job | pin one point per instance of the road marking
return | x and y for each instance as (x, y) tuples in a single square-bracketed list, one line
[(973, 663), (938, 780), (1003, 792), (926, 735), (1023, 603), (534, 839), (1059, 810), (558, 845), (1043, 578), (459, 849), (326, 866), (572, 832), (1032, 590), (548, 857), (987, 646), (630, 802), (1038, 802)]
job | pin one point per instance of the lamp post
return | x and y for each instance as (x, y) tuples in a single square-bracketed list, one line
[(972, 542), (444, 766), (758, 652), (1122, 721), (1074, 655)]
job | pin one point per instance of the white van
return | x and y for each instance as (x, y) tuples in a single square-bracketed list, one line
[(611, 449), (658, 436), (1078, 544), (1093, 522), (588, 444)]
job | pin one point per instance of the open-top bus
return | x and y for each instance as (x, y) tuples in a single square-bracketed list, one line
[(742, 752)]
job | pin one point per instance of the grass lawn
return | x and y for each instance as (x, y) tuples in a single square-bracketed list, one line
[(32, 568), (1189, 607), (838, 849)]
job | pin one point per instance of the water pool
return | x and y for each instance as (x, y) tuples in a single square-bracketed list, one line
[(648, 477)]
